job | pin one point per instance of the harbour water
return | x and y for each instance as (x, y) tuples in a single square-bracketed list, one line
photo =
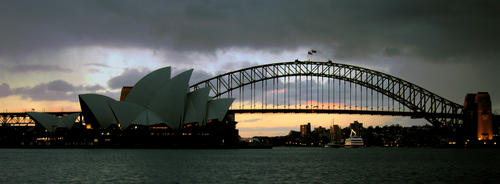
[(277, 165)]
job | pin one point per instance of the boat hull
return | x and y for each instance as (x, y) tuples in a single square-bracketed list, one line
[(354, 142)]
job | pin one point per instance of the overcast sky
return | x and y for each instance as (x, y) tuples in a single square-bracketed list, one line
[(50, 51)]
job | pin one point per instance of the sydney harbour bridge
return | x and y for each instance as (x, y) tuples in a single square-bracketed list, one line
[(318, 87), (328, 87)]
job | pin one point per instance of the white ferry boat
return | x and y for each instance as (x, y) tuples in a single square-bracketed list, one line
[(354, 141)]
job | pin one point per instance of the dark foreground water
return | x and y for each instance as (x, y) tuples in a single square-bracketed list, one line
[(278, 165)]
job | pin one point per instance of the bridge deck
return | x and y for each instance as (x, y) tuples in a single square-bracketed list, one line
[(344, 111), (4, 116)]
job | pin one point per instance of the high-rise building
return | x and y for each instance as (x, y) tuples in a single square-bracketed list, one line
[(305, 129), (357, 127), (335, 133), (321, 131)]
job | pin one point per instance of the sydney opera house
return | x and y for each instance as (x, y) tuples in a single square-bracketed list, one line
[(52, 122), (159, 110), (155, 99)]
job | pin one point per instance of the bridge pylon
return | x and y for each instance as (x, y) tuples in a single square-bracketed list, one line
[(477, 116)]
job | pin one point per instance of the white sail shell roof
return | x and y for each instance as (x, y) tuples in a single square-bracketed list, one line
[(68, 120), (51, 122), (217, 108), (157, 98), (147, 118), (196, 106), (98, 105), (146, 88), (46, 120), (169, 102), (129, 113)]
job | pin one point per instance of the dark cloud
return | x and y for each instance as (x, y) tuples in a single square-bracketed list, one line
[(93, 70), (53, 90), (41, 92), (428, 37), (128, 78), (93, 87), (452, 81), (5, 90), (38, 68), (198, 76), (235, 65), (60, 85), (437, 30), (390, 51), (131, 75), (98, 65)]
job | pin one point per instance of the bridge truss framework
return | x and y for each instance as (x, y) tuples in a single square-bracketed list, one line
[(328, 87)]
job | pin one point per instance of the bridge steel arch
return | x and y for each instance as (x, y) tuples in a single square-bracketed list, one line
[(423, 103)]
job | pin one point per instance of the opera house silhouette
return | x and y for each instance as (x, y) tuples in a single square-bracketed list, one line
[(159, 110), (154, 99), (52, 122)]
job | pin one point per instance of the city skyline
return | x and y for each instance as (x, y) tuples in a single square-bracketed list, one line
[(52, 51)]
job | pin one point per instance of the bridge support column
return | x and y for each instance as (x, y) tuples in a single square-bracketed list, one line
[(478, 119)]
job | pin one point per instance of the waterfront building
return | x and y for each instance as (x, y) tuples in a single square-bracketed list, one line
[(336, 134), (357, 127), (305, 129), (158, 111), (320, 136), (155, 99), (322, 131)]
